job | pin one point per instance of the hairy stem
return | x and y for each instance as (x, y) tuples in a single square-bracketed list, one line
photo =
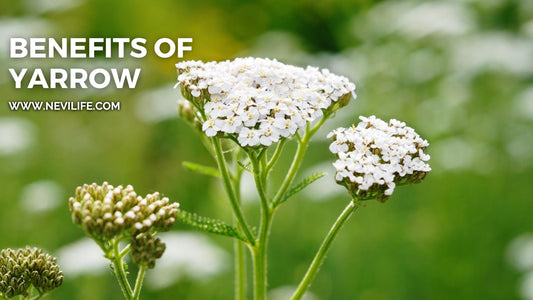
[(322, 251), (138, 283), (119, 271), (125, 251)]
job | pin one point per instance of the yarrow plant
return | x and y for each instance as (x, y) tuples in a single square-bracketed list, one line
[(112, 215), (28, 272), (247, 109)]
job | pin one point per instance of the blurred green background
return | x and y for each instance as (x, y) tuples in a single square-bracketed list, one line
[(459, 72)]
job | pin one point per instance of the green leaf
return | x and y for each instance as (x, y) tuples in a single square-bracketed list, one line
[(209, 225), (302, 185), (201, 169)]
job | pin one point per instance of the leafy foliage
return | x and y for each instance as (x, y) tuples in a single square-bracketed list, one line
[(209, 225), (302, 185)]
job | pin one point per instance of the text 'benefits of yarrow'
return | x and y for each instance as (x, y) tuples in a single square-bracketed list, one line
[(87, 48)]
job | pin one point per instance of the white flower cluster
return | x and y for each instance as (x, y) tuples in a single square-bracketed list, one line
[(374, 156), (260, 100)]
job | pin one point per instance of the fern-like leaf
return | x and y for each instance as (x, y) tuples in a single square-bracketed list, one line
[(302, 185), (209, 225)]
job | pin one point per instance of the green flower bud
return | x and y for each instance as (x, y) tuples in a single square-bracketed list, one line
[(21, 268), (105, 212), (188, 112), (145, 249)]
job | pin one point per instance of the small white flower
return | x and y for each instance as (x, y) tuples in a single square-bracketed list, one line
[(210, 128), (337, 147), (249, 137)]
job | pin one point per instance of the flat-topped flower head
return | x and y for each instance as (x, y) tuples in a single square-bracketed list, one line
[(374, 157), (22, 268), (259, 101), (105, 211)]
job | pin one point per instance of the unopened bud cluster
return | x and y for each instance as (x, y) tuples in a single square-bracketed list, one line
[(375, 156), (105, 211), (145, 249), (260, 101), (22, 268), (187, 112)]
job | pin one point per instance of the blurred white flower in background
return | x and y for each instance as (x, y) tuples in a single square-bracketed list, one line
[(284, 45), (21, 27), (325, 188), (187, 255), (459, 153), (41, 196), (414, 20), (526, 288), (81, 257), (44, 6), (424, 65), (347, 64), (157, 104), (520, 256), (527, 29), (16, 135), (523, 103), (520, 252), (285, 292), (248, 189), (520, 147), (453, 153), (494, 51), (439, 18)]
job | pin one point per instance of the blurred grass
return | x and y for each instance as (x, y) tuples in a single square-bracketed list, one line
[(443, 239)]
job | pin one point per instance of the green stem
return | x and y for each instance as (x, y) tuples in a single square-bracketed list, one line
[(124, 251), (119, 271), (229, 190), (260, 250), (326, 244), (275, 156), (138, 283), (238, 246), (297, 161), (260, 271), (240, 270)]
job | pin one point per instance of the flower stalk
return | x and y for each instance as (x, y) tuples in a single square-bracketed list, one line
[(111, 215), (323, 250)]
